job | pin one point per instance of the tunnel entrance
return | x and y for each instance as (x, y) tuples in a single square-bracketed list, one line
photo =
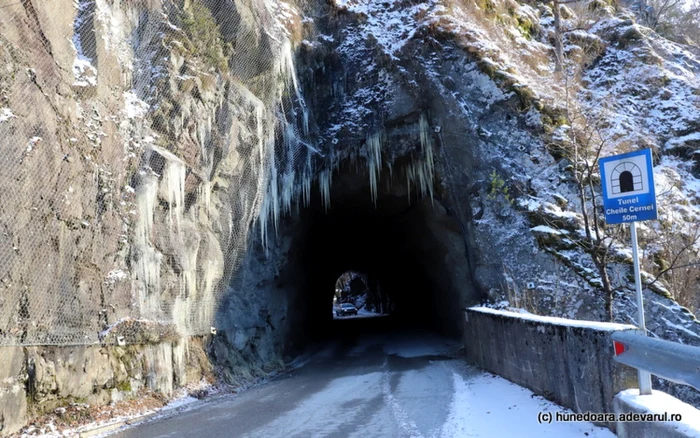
[(354, 296), (351, 286), (410, 252)]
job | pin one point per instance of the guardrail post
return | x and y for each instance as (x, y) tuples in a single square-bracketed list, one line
[(643, 376)]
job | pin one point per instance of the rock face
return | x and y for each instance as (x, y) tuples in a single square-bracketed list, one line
[(165, 164), (36, 380), (139, 156), (13, 397)]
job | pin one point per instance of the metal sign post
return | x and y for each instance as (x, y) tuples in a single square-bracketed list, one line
[(629, 196), (643, 376)]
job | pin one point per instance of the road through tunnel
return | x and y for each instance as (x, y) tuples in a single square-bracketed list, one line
[(408, 246)]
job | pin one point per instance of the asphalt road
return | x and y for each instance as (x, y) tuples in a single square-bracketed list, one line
[(371, 380), (362, 384)]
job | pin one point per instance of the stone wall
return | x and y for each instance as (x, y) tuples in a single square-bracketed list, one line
[(568, 362)]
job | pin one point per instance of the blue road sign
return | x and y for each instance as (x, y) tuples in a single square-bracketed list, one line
[(628, 187)]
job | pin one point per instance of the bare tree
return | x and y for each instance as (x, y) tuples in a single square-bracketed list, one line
[(558, 45), (586, 142), (688, 24), (677, 262), (559, 33), (677, 19), (654, 13)]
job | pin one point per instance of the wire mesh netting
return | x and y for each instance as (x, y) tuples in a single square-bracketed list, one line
[(141, 141)]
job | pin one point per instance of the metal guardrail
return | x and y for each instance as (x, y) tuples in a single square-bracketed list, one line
[(669, 360)]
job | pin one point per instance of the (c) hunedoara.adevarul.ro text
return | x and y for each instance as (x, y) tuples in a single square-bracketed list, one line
[(594, 417)]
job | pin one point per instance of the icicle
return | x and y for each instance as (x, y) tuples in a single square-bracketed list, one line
[(189, 279), (148, 266), (409, 180), (201, 134), (306, 189), (173, 187), (180, 311), (373, 186), (305, 120), (260, 131), (324, 184), (180, 356), (287, 191), (426, 143), (146, 196), (205, 195), (287, 70), (420, 170), (274, 185), (374, 163), (306, 181), (266, 202), (150, 274), (211, 273), (263, 217), (335, 162), (175, 172)]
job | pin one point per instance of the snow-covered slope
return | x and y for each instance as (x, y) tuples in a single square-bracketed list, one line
[(501, 111)]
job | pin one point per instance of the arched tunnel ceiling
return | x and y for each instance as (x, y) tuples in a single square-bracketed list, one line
[(413, 249)]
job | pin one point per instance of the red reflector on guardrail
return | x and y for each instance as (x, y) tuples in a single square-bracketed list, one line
[(619, 348)]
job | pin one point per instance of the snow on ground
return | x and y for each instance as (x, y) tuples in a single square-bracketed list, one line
[(408, 344), (392, 24), (420, 344), (437, 399), (483, 405), (680, 327), (490, 406), (649, 92), (180, 402), (107, 418), (362, 313), (660, 402), (548, 230), (649, 89)]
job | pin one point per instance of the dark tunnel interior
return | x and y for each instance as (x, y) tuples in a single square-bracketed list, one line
[(413, 250)]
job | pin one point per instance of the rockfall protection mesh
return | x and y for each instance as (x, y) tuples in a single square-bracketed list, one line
[(143, 142), (140, 142)]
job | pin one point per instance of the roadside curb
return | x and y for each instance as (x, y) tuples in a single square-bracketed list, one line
[(113, 427)]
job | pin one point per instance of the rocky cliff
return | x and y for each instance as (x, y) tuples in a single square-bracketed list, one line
[(160, 158)]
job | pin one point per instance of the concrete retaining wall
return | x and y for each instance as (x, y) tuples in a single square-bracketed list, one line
[(568, 362)]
